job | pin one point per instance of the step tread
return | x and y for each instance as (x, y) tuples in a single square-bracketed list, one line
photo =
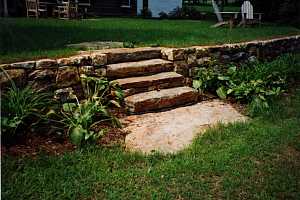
[(145, 67), (131, 54), (147, 81), (164, 98)]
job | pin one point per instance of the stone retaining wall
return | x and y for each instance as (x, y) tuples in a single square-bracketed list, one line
[(63, 75), (186, 60)]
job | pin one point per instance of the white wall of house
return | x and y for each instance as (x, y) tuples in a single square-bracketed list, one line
[(157, 6)]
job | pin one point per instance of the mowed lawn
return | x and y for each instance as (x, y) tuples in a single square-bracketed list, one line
[(22, 39), (259, 159)]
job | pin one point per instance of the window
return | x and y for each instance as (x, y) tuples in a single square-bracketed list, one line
[(126, 4)]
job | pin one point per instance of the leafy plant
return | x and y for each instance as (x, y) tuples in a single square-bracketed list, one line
[(254, 83), (81, 117), (20, 107)]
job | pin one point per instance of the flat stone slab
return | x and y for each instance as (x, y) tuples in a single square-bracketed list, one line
[(159, 99), (173, 130), (170, 78), (139, 68)]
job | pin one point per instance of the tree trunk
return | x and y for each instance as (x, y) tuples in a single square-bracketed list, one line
[(217, 11), (5, 8)]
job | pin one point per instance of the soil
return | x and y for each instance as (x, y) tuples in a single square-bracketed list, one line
[(34, 145)]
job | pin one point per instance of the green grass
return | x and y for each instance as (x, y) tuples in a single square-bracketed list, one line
[(259, 159), (22, 39)]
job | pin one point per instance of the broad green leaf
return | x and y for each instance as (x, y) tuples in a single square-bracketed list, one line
[(221, 92)]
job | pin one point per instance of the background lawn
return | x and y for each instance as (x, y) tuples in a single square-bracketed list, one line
[(259, 159), (22, 39)]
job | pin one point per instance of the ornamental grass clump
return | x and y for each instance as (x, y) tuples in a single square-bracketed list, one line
[(21, 108)]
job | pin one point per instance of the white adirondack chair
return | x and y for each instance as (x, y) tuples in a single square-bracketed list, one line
[(248, 14), (247, 10)]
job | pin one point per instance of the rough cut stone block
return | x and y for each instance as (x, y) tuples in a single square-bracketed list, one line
[(165, 98), (145, 67), (202, 52), (64, 94), (67, 76), (173, 54), (17, 75), (23, 65), (100, 72), (131, 55), (166, 79), (181, 67), (99, 59), (87, 70), (75, 60), (45, 74), (46, 63), (205, 61), (192, 59)]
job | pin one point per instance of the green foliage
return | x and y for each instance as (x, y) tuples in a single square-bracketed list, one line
[(20, 107), (81, 117), (255, 84)]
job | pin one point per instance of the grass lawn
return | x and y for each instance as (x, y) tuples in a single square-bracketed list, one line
[(22, 39), (259, 159)]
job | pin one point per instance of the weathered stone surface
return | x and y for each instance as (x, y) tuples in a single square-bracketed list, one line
[(100, 72), (99, 59), (202, 52), (83, 59), (64, 94), (130, 55), (45, 74), (17, 75), (23, 65), (173, 54), (181, 67), (67, 76), (165, 79), (204, 61), (42, 79), (192, 60), (146, 67), (87, 70), (173, 130), (46, 63), (165, 98)]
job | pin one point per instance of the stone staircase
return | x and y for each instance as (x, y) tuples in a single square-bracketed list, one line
[(149, 82)]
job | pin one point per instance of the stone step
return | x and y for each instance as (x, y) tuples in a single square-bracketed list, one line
[(131, 54), (139, 68), (163, 80), (155, 100)]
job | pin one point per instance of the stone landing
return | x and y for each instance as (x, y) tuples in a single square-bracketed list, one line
[(173, 130)]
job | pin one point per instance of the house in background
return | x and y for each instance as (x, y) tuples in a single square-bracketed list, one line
[(104, 7), (133, 7), (158, 6)]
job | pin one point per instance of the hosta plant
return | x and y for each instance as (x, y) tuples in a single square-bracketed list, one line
[(82, 117)]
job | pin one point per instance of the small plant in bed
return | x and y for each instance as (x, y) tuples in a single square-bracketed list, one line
[(21, 109), (253, 83), (81, 118)]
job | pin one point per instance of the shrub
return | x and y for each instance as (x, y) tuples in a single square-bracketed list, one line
[(255, 84), (21, 108), (81, 117)]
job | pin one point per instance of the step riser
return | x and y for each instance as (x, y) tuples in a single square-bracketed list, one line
[(131, 56), (132, 91), (170, 98), (129, 70)]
